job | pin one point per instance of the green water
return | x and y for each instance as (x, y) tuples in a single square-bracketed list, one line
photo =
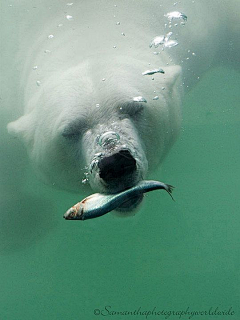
[(171, 256)]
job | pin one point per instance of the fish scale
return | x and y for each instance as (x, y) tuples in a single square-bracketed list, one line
[(99, 204)]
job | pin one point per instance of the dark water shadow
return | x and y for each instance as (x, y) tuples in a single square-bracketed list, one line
[(24, 220)]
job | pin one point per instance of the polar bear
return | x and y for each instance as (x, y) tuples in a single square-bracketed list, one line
[(95, 108)]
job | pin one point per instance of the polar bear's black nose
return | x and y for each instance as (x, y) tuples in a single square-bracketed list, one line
[(117, 165)]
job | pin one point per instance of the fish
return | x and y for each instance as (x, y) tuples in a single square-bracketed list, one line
[(98, 204)]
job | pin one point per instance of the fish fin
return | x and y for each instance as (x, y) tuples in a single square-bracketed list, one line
[(169, 190)]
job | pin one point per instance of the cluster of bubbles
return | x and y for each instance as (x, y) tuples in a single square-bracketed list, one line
[(165, 42), (93, 165), (107, 141), (161, 40)]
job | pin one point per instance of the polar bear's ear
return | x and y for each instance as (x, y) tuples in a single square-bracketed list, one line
[(23, 128), (172, 76)]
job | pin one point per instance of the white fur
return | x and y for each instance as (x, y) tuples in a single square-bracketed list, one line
[(71, 82)]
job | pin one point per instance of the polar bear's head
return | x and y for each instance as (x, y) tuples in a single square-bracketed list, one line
[(78, 124)]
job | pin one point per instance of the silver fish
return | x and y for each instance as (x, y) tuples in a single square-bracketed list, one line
[(99, 204)]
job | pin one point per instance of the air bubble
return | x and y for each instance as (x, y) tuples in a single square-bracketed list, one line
[(151, 72), (168, 35), (98, 155), (175, 15), (108, 139), (170, 44), (93, 164), (85, 179), (157, 41), (69, 17), (139, 99)]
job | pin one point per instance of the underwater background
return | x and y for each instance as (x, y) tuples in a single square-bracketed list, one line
[(169, 261)]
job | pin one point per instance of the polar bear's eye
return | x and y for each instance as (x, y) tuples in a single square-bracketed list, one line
[(73, 131), (132, 109), (70, 135)]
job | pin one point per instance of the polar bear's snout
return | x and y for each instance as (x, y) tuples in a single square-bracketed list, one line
[(117, 166), (114, 155)]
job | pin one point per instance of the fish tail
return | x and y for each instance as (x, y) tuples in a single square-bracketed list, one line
[(169, 190)]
